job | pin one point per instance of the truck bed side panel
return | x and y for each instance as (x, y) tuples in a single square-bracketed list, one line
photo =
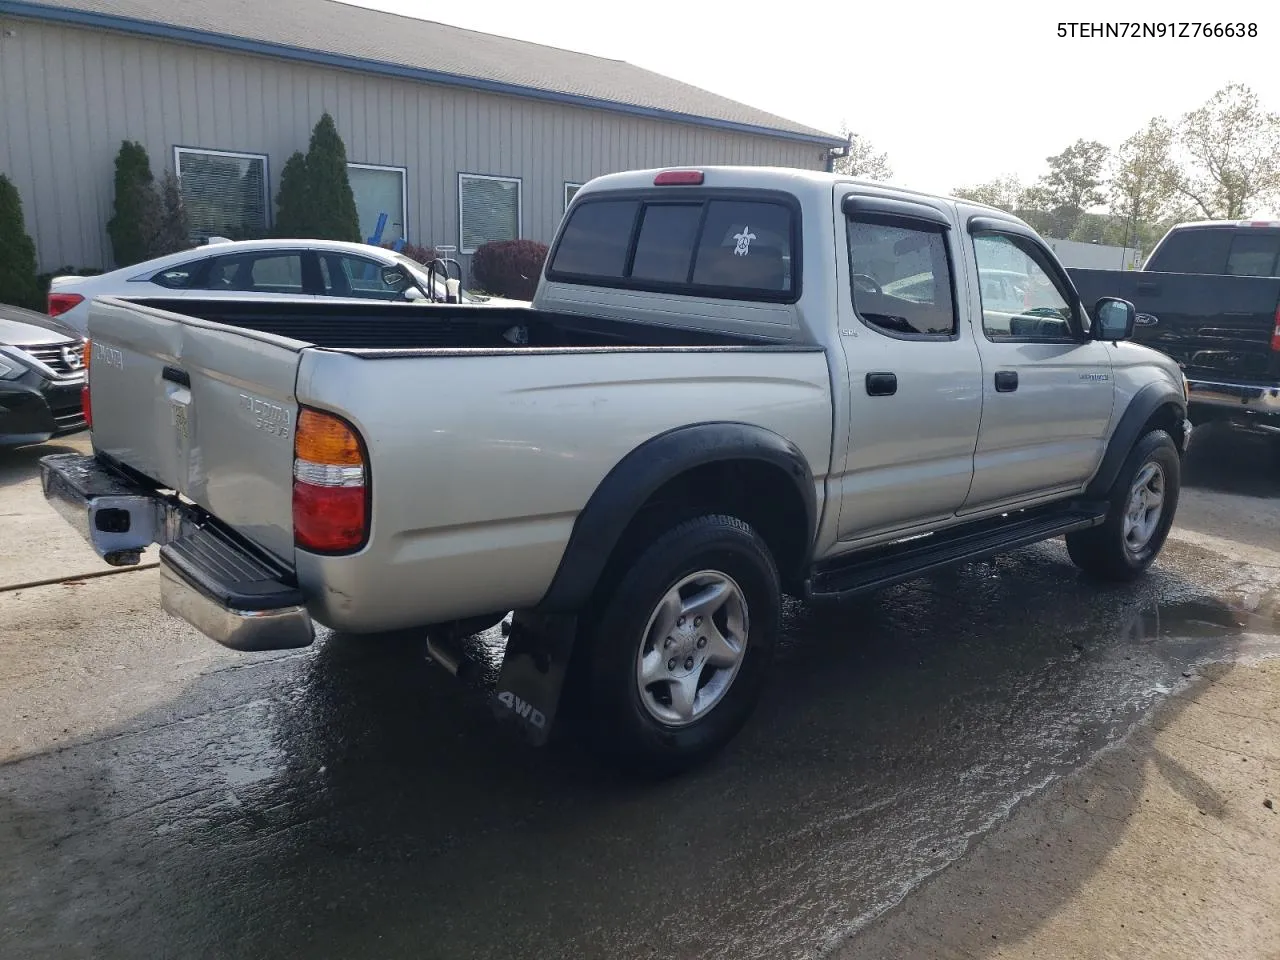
[(479, 465)]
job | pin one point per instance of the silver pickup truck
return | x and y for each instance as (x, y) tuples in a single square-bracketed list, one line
[(733, 383)]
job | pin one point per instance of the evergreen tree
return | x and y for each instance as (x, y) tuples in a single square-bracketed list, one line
[(333, 206), (17, 252), (293, 208), (137, 206)]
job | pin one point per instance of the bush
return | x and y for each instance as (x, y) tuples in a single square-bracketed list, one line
[(315, 201), (137, 207), (509, 268), (17, 252), (293, 211), (173, 233), (333, 205)]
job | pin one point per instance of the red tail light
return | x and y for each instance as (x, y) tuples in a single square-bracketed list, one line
[(60, 303), (673, 178), (330, 484), (1275, 334), (86, 404)]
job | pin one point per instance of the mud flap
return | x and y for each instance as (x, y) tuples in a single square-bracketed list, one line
[(533, 672)]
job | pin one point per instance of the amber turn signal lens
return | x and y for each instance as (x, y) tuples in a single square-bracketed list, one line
[(326, 439)]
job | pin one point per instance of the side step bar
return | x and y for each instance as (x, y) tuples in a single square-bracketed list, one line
[(882, 566)]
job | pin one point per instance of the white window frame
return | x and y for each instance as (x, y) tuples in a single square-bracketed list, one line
[(518, 181), (239, 155), (404, 192), (567, 185)]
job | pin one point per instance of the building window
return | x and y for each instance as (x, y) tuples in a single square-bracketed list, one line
[(380, 202), (225, 193), (488, 209), (570, 191)]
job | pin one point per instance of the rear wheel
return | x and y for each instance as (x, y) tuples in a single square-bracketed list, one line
[(681, 647), (1143, 502)]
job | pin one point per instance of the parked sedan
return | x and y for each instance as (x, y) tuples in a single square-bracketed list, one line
[(260, 269), (41, 376)]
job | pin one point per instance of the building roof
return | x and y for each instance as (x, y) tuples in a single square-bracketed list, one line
[(342, 35)]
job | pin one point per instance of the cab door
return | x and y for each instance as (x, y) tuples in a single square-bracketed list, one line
[(914, 374), (1047, 389)]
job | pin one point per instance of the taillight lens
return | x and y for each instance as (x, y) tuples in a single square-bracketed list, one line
[(1275, 333), (86, 405), (330, 484), (60, 303)]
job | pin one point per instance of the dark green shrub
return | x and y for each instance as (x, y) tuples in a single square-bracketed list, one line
[(17, 252), (333, 206), (137, 206), (293, 209), (509, 268)]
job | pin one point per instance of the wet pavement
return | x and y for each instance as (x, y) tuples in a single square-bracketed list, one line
[(162, 797)]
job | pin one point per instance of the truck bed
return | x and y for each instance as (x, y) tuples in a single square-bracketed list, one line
[(384, 326), (472, 441)]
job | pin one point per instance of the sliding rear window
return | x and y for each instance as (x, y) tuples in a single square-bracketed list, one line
[(698, 244)]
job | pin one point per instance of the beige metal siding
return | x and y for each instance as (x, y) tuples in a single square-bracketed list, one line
[(69, 96)]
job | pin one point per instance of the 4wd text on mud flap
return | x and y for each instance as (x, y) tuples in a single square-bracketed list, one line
[(523, 709)]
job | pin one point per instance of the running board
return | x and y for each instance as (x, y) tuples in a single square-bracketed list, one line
[(882, 566)]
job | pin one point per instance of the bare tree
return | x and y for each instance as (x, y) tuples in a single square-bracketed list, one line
[(1233, 146), (863, 161)]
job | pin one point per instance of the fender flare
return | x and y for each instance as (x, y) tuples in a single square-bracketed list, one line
[(636, 477), (1144, 403)]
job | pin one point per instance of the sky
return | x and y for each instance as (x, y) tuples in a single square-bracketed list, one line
[(955, 93)]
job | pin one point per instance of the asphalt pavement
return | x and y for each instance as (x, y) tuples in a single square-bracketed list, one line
[(163, 797)]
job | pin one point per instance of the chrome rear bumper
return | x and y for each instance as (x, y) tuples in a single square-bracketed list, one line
[(224, 587), (1250, 405)]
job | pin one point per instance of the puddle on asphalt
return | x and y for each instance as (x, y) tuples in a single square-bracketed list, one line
[(363, 797)]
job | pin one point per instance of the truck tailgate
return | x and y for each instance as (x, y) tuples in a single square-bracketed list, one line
[(201, 408)]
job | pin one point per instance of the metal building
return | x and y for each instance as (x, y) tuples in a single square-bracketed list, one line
[(458, 137)]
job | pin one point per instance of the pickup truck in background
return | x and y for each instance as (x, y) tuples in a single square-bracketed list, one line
[(733, 383), (1209, 296)]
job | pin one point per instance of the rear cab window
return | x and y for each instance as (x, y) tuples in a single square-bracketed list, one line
[(724, 244), (1254, 253), (1192, 250)]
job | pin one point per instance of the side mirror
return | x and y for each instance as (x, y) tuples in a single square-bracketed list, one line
[(413, 294), (1113, 319)]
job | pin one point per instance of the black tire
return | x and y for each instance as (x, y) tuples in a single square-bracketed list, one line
[(618, 724), (1102, 551)]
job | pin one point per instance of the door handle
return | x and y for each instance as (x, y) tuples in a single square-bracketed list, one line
[(1006, 381), (1151, 288), (174, 375), (882, 384)]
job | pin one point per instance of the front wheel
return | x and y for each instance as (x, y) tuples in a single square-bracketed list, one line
[(681, 647), (1143, 502)]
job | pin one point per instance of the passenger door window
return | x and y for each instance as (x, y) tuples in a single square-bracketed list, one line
[(901, 279), (348, 276), (268, 272), (1021, 299)]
